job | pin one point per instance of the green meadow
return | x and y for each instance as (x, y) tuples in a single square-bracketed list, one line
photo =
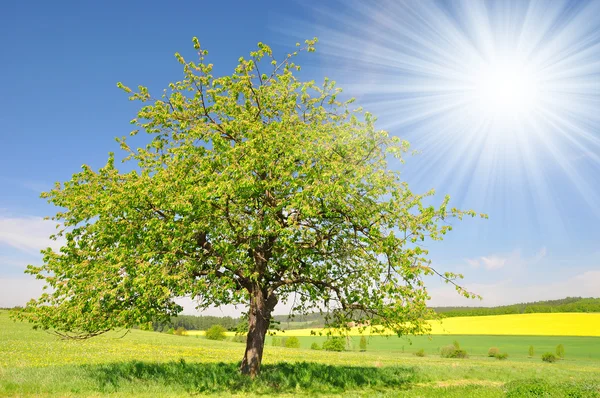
[(139, 363), (576, 348)]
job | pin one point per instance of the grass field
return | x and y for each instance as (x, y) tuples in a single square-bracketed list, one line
[(34, 363)]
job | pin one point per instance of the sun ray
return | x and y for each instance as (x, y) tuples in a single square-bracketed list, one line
[(497, 95)]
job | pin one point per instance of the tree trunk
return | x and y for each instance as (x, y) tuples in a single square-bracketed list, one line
[(259, 318)]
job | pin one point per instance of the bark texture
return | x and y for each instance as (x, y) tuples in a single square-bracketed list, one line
[(259, 319)]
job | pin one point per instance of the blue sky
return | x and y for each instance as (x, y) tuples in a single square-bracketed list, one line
[(500, 98)]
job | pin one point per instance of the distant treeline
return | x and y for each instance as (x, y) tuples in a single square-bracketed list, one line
[(193, 322), (569, 304), (314, 320), (317, 320)]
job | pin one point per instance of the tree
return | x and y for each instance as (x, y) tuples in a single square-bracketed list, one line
[(255, 188), (363, 343), (530, 352), (216, 332), (560, 351)]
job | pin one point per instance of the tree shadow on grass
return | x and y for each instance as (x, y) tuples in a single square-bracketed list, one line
[(225, 377)]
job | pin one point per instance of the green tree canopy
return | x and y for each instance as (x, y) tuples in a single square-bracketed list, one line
[(254, 188)]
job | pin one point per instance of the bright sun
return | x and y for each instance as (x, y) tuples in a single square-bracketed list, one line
[(505, 89)]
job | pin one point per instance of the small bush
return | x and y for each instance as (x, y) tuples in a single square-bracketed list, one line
[(501, 356), (292, 342), (528, 388), (275, 341), (420, 353), (180, 331), (492, 352), (560, 351), (451, 351), (531, 352), (334, 344), (363, 343), (315, 346), (239, 338), (216, 332), (549, 357), (170, 331)]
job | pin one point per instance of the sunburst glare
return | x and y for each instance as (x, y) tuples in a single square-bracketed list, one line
[(502, 98)]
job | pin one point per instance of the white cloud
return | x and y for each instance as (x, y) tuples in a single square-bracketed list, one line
[(514, 259), (505, 292), (28, 234), (13, 262), (493, 262), (473, 262)]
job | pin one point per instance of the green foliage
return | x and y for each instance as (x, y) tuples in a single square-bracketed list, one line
[(501, 356), (492, 352), (250, 187), (363, 343), (560, 351), (315, 346), (216, 332), (334, 344), (549, 357), (180, 331), (146, 326), (291, 342), (531, 351), (453, 351), (170, 331), (420, 353), (275, 341)]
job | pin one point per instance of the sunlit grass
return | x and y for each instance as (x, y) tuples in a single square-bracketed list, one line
[(34, 363)]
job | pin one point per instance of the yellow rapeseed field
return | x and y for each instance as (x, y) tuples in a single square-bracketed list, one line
[(558, 324)]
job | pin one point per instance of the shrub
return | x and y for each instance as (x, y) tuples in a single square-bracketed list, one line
[(531, 351), (492, 352), (334, 344), (501, 356), (170, 331), (363, 343), (560, 351), (549, 357), (180, 331), (315, 346), (451, 351), (292, 342), (420, 353), (216, 332), (239, 338)]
